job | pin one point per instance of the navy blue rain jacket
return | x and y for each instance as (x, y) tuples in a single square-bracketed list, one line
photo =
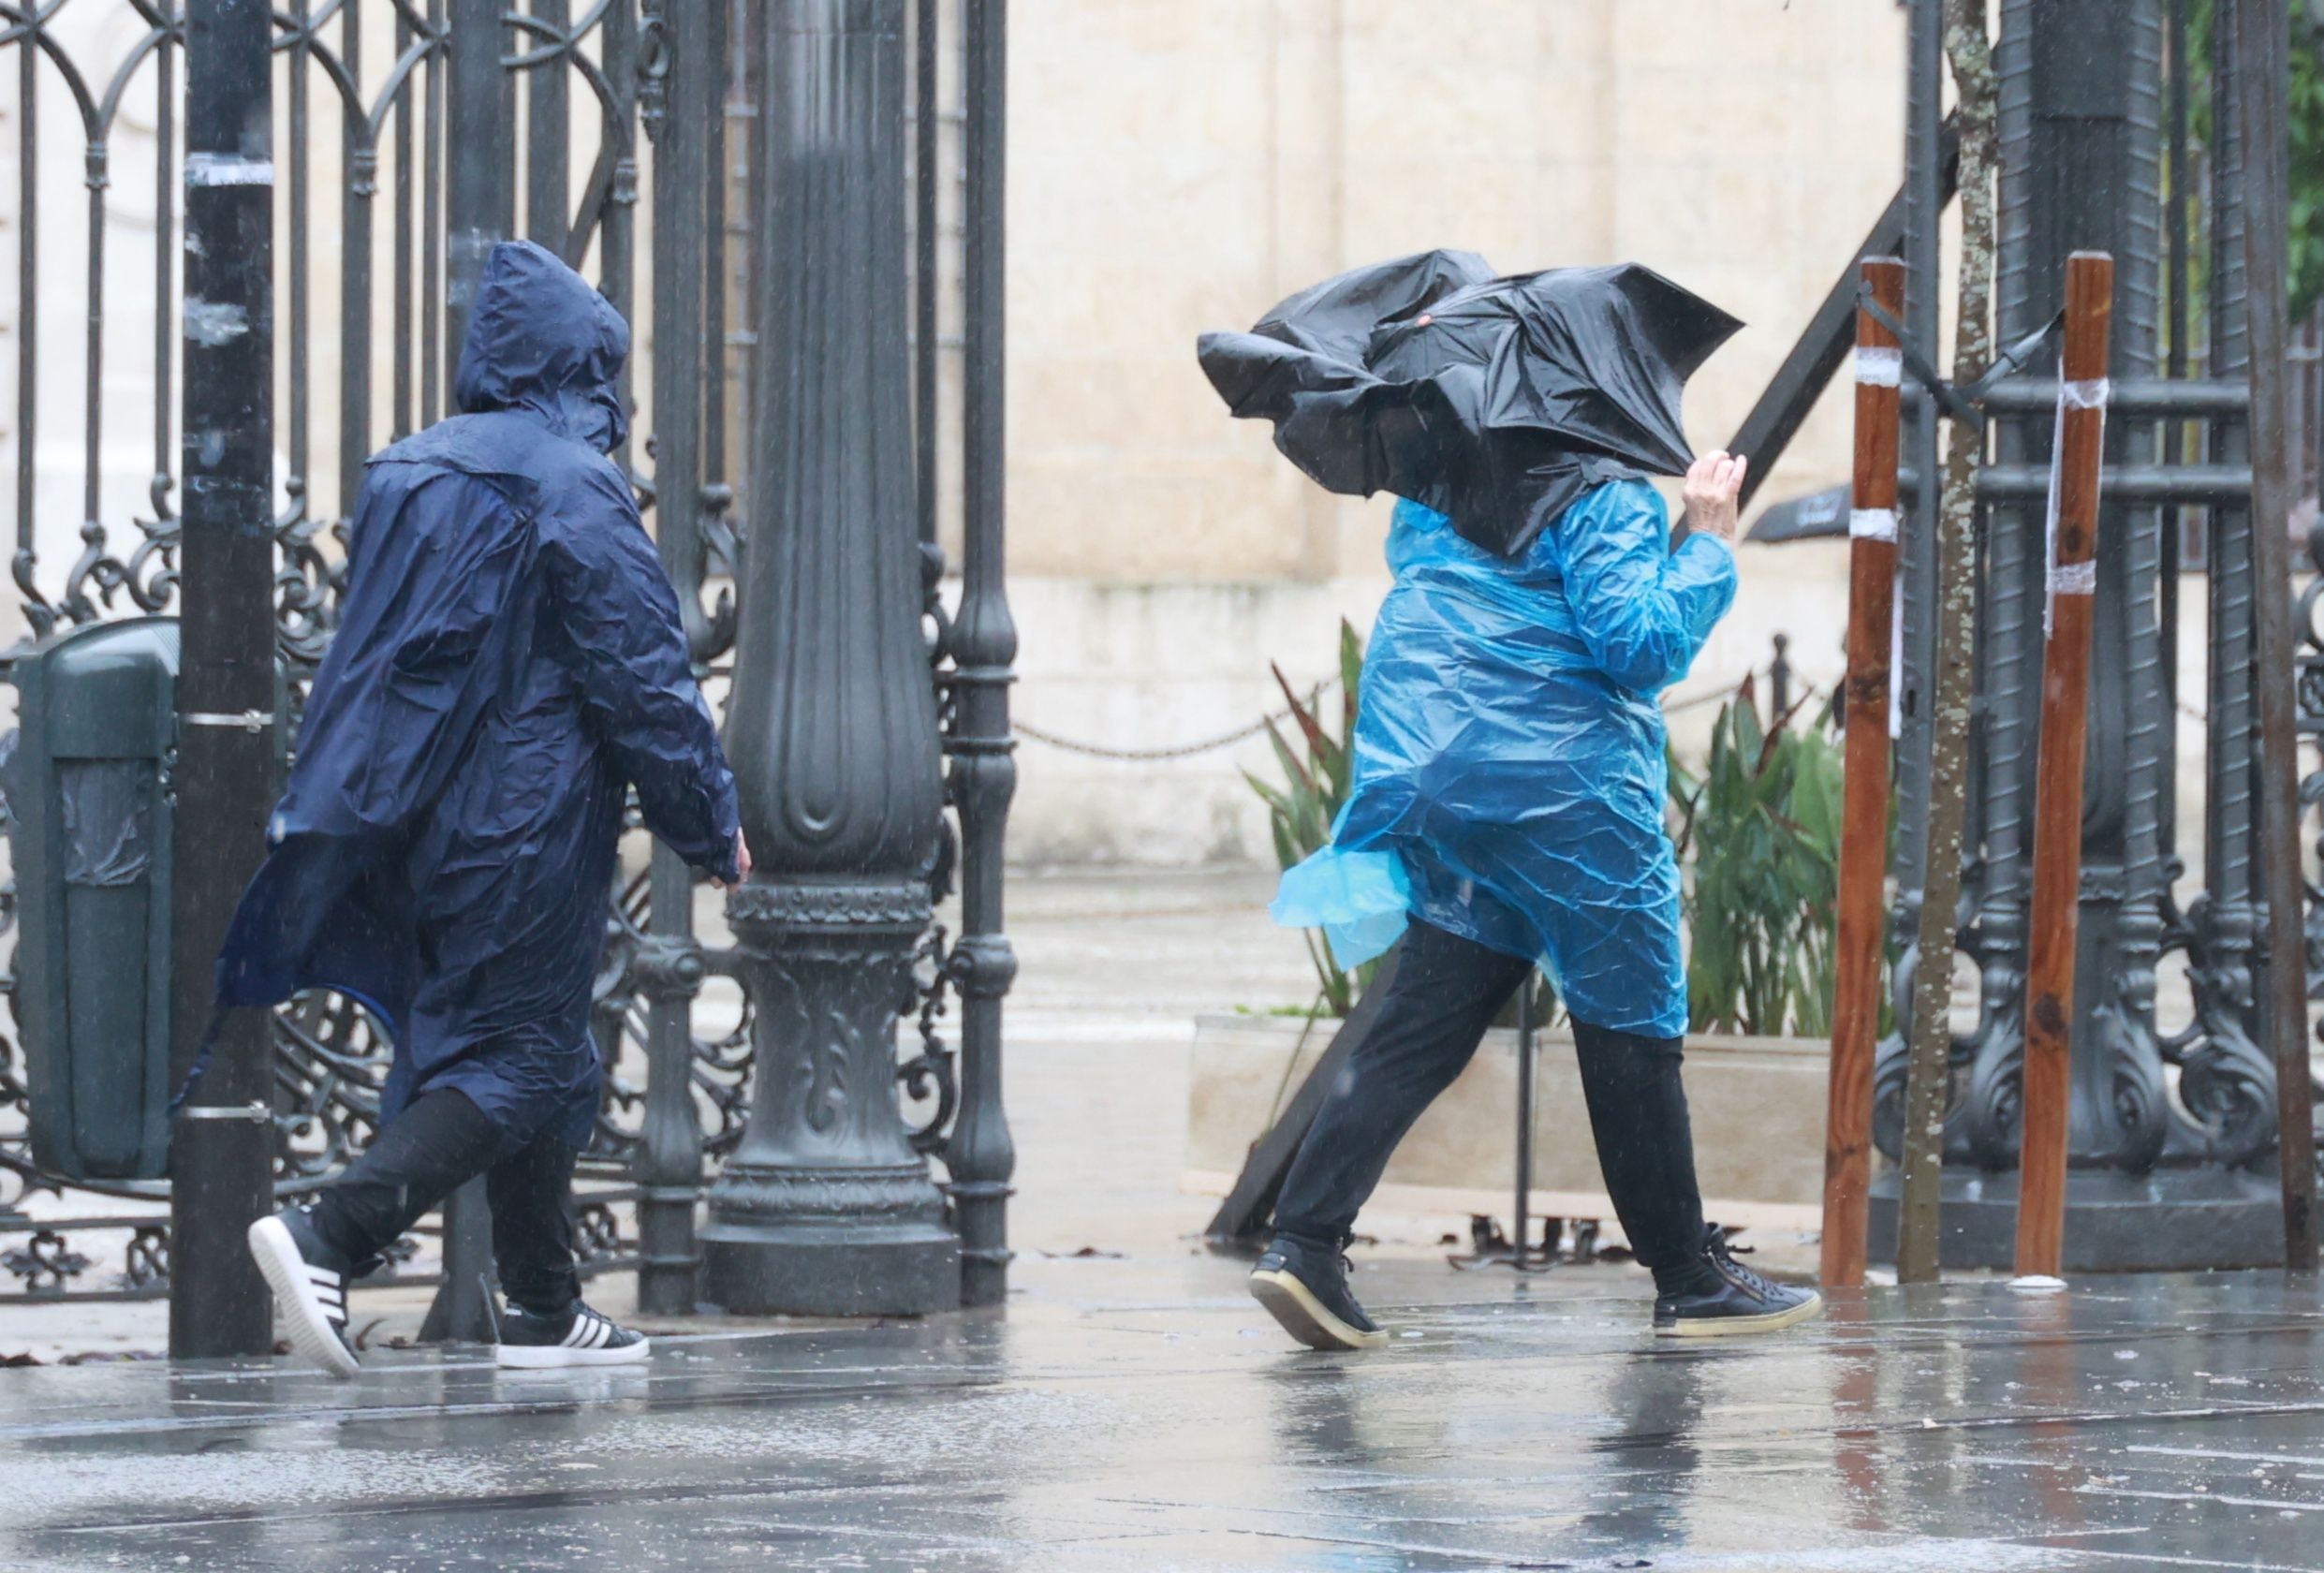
[(510, 662)]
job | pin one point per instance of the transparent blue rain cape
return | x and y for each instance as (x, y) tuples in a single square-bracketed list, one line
[(1509, 775)]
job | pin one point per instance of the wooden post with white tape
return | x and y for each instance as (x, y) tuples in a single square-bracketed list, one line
[(1864, 825), (2073, 579)]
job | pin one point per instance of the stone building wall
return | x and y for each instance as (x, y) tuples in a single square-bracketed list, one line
[(1179, 164)]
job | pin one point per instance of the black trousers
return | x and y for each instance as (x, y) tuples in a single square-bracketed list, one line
[(1445, 992), (437, 1145)]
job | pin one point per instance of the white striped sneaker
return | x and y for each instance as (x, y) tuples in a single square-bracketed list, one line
[(578, 1337), (309, 1285)]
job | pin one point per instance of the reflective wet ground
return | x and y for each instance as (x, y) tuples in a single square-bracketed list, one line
[(1141, 1415)]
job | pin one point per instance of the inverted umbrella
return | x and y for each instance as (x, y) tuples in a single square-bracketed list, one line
[(1497, 402)]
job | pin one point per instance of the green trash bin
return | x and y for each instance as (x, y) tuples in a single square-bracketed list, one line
[(89, 800)]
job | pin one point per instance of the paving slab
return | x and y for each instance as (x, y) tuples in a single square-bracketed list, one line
[(1141, 1414), (1131, 1410)]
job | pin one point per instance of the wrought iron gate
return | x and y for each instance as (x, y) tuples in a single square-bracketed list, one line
[(413, 133)]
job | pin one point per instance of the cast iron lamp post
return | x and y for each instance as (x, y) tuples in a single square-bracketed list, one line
[(825, 1207)]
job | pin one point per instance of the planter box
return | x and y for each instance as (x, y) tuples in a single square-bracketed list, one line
[(1757, 1107)]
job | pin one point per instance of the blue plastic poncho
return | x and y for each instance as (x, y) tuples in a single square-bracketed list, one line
[(1508, 760), (510, 662)]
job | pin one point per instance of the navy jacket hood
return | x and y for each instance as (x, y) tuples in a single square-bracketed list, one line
[(542, 341)]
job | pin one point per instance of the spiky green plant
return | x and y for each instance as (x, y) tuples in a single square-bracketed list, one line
[(1761, 824), (1316, 776)]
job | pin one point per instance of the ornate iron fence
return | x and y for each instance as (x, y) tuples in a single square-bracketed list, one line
[(414, 132), (2174, 1119)]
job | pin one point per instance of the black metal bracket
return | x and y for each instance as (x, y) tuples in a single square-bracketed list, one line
[(1964, 403), (1489, 1247)]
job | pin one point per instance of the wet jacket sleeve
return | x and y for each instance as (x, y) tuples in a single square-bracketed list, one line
[(636, 681), (1644, 610)]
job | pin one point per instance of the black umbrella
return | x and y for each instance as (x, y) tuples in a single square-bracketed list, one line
[(1494, 401), (1818, 515)]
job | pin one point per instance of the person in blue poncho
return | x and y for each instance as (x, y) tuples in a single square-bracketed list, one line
[(1506, 806), (510, 664), (1507, 802)]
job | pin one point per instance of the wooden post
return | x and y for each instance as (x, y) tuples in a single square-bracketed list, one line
[(2058, 780), (1865, 830), (2260, 69)]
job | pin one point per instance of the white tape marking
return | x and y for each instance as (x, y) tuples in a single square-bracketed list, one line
[(212, 323), (247, 721), (1879, 368), (2074, 578), (2087, 395), (227, 168), (1872, 525)]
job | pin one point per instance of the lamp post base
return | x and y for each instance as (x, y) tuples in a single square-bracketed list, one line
[(780, 1263), (824, 1209), (2173, 1220)]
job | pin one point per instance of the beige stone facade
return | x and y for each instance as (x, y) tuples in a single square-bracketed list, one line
[(1179, 164)]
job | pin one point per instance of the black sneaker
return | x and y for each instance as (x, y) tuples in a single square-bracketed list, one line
[(1305, 1288), (310, 1284), (1734, 1301), (576, 1336)]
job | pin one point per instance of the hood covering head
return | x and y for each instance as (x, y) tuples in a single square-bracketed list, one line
[(1497, 402), (542, 340)]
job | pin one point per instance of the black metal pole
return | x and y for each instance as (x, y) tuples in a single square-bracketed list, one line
[(2227, 1009), (548, 133), (2261, 72), (927, 28), (479, 214), (1916, 567), (824, 1208), (685, 276), (2180, 275), (981, 1155), (221, 1146)]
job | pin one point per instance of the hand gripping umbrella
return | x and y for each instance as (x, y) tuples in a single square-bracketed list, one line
[(1495, 401)]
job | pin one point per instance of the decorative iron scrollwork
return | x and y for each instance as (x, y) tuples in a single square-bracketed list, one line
[(902, 905), (722, 536), (597, 1232), (46, 1263), (930, 1087), (652, 68), (146, 1266), (330, 1061)]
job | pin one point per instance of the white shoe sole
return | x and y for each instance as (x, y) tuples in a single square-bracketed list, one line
[(1741, 1326), (310, 1332), (1305, 1317), (525, 1356)]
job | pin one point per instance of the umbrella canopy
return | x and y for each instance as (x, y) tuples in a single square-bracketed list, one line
[(1494, 401), (1818, 515)]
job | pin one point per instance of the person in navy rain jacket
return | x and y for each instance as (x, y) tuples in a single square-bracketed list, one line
[(511, 663)]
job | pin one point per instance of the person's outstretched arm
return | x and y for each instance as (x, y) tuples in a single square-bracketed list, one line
[(1643, 610), (637, 678)]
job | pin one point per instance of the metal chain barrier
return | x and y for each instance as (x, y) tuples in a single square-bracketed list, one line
[(1244, 734), (1178, 751)]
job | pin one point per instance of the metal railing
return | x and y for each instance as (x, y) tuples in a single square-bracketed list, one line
[(614, 132)]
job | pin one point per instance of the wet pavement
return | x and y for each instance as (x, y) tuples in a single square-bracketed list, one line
[(1133, 1413), (1140, 1415)]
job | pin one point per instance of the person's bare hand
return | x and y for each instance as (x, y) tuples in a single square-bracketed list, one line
[(1714, 491), (741, 862)]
